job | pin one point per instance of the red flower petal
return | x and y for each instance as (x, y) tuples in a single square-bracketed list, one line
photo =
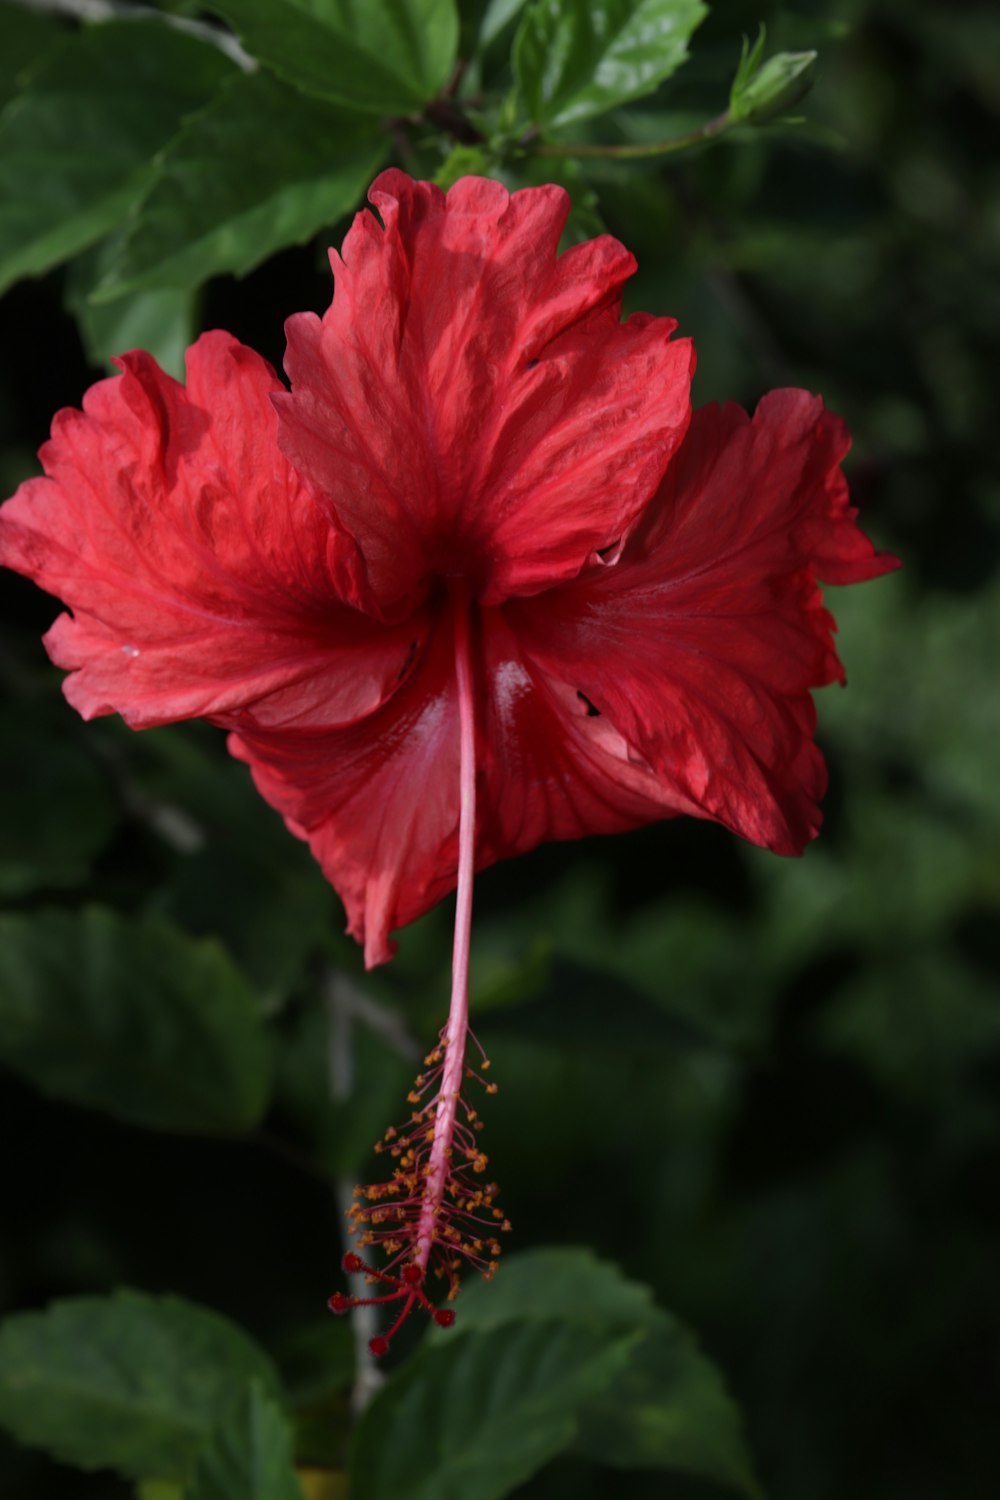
[(472, 420), (551, 769), (470, 404), (378, 800), (203, 578), (701, 644)]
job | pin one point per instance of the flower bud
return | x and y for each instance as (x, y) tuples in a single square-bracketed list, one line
[(759, 93)]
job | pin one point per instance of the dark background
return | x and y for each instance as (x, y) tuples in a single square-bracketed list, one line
[(770, 1089)]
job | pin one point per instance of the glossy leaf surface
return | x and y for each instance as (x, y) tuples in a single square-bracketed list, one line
[(259, 168), (381, 56), (574, 61)]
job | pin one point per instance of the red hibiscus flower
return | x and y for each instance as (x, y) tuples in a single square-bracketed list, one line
[(479, 580)]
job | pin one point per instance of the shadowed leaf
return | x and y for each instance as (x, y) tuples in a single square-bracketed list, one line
[(250, 1456), (471, 1418), (128, 1382), (76, 141), (666, 1408), (132, 1018), (56, 809), (25, 36)]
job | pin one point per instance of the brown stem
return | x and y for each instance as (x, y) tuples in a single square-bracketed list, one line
[(451, 118), (637, 152)]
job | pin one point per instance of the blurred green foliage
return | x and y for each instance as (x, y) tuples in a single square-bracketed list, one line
[(767, 1090)]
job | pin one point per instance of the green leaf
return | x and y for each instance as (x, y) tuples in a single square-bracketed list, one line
[(700, 969), (383, 57), (471, 1418), (669, 1409), (261, 167), (750, 60), (160, 321), (497, 16), (132, 1018), (75, 143), (316, 1358), (128, 1382), (57, 811), (573, 61), (250, 1456), (569, 1284), (666, 1408), (575, 1011), (919, 1021), (25, 36), (464, 161), (271, 913)]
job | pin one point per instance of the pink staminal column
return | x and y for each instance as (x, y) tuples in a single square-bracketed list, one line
[(432, 1215), (457, 1030)]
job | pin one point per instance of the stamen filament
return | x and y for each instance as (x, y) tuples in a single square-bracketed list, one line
[(404, 1314)]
